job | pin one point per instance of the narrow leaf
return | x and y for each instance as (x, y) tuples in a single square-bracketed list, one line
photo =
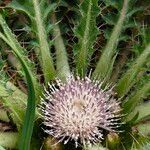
[(62, 65), (24, 8), (127, 81), (30, 112), (86, 33), (46, 59), (105, 61), (132, 101), (11, 40), (15, 100), (49, 9), (143, 110)]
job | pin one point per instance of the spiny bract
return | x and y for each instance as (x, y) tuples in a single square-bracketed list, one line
[(79, 109)]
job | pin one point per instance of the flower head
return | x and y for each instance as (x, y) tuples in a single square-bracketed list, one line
[(79, 109)]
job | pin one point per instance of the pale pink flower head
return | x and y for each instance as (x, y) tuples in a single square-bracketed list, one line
[(79, 110)]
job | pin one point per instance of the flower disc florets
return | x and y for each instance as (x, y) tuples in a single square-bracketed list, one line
[(79, 109)]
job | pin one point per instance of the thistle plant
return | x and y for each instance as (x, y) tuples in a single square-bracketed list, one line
[(79, 110), (74, 72)]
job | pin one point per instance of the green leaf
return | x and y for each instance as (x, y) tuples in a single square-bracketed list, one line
[(11, 40), (144, 128), (105, 60), (127, 81), (86, 32), (134, 10), (37, 20), (8, 139), (48, 9), (31, 105), (94, 147), (143, 110), (132, 101), (15, 100), (133, 119), (107, 77), (2, 148), (115, 3), (62, 65), (15, 4), (4, 115), (145, 146), (110, 19), (46, 59)]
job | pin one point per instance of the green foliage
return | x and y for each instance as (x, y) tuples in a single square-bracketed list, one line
[(110, 18), (25, 7), (2, 148), (48, 31), (39, 28), (95, 147), (8, 140), (143, 111), (86, 31), (48, 68), (11, 40), (145, 146), (62, 65), (144, 128), (30, 112), (104, 63), (15, 100), (143, 39), (128, 79), (135, 98)]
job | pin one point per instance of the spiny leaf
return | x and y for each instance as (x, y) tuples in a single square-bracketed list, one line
[(38, 22), (48, 9), (62, 65), (11, 40), (46, 59), (26, 8), (105, 61), (30, 112), (143, 110), (15, 100), (86, 33), (134, 99), (134, 10), (110, 19), (127, 81), (115, 3)]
